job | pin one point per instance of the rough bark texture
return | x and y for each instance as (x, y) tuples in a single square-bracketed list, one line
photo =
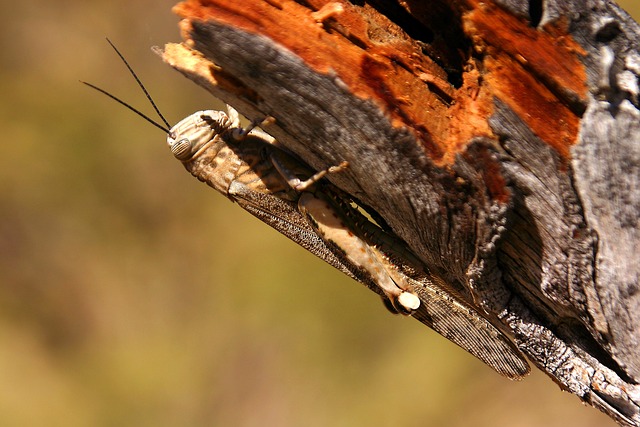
[(499, 139)]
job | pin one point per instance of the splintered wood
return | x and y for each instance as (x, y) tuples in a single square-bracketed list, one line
[(540, 76), (496, 140)]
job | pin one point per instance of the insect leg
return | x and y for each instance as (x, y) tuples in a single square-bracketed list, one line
[(295, 182), (331, 225), (335, 226), (240, 133)]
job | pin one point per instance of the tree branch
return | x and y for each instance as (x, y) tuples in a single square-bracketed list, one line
[(500, 140)]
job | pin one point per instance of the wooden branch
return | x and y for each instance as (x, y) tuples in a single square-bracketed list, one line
[(499, 139)]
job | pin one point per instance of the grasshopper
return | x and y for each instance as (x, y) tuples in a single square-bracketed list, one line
[(245, 165), (248, 168)]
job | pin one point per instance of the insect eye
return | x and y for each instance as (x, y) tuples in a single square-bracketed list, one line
[(181, 149)]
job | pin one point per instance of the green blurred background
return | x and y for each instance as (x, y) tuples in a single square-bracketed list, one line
[(132, 295)]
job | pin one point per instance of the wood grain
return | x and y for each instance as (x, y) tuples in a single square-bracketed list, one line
[(499, 140)]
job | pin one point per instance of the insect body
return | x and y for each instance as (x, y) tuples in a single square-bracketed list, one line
[(286, 194), (279, 189), (283, 192)]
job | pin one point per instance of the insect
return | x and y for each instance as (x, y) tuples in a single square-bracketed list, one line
[(246, 166)]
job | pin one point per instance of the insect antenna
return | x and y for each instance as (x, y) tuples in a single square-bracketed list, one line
[(165, 128), (138, 112), (135, 76)]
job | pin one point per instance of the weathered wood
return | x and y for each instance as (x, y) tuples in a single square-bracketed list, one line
[(500, 141)]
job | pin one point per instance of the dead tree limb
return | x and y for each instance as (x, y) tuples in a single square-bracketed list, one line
[(499, 139)]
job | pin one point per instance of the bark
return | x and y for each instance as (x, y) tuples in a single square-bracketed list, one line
[(499, 139)]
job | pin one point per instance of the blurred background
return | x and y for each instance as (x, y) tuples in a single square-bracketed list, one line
[(132, 295)]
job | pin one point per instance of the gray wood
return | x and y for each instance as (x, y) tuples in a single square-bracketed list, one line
[(557, 262)]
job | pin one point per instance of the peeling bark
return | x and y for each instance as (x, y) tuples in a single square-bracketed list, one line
[(499, 139)]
